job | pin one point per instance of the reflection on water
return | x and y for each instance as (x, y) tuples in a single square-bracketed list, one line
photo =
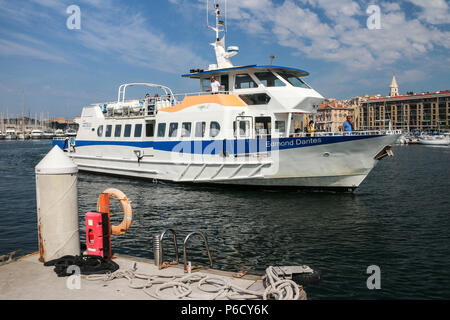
[(398, 220)]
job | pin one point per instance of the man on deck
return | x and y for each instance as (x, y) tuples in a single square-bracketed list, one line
[(348, 126), (215, 85)]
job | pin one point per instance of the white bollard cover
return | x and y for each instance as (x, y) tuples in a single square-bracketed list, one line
[(56, 162), (57, 206)]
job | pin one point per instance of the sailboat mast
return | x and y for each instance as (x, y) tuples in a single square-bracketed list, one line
[(23, 108)]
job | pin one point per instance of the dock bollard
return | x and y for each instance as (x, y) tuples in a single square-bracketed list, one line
[(157, 249), (57, 206)]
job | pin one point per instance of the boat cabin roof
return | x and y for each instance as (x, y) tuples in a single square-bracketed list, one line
[(200, 74)]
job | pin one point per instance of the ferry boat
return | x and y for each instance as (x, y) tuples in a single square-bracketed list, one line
[(248, 133)]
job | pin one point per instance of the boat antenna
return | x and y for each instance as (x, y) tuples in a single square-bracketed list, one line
[(222, 56)]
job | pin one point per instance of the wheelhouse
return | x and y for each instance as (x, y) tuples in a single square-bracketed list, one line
[(283, 88)]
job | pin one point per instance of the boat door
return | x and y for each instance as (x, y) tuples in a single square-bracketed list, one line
[(243, 127), (297, 123), (149, 136), (224, 83)]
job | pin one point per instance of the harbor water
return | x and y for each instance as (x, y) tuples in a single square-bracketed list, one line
[(398, 220)]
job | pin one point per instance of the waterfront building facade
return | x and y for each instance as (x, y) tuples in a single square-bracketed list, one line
[(424, 111)]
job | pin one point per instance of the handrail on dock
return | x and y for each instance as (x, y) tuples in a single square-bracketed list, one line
[(197, 233)]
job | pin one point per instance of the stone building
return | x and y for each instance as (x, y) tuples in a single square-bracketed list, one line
[(332, 114)]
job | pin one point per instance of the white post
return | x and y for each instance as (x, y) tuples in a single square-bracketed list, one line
[(57, 206)]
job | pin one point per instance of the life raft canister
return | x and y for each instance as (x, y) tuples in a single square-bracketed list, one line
[(127, 211)]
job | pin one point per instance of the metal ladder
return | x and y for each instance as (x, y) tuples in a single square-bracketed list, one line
[(159, 250), (206, 246)]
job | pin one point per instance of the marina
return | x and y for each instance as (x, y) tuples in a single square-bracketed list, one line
[(236, 181)]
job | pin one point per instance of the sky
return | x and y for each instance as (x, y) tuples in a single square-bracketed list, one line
[(346, 46)]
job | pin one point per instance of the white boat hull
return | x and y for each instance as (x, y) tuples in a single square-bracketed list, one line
[(434, 142), (332, 163)]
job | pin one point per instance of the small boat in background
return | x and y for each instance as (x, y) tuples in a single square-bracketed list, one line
[(71, 133), (23, 136), (59, 133), (48, 135), (10, 134), (37, 134), (403, 139), (437, 140)]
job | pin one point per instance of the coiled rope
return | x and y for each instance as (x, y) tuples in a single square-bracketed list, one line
[(212, 287)]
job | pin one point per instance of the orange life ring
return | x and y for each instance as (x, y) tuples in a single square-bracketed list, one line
[(127, 211)]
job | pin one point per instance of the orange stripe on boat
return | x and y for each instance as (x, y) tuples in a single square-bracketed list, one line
[(227, 100)]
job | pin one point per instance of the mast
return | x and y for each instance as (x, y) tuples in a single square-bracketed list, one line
[(222, 55), (23, 107)]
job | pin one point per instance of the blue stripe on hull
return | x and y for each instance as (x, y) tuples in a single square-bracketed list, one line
[(235, 146), (60, 143)]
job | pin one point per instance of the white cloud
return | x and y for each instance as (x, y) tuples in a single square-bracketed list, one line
[(433, 11), (134, 41), (108, 28), (343, 36), (12, 48)]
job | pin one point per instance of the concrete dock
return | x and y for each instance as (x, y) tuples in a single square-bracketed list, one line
[(27, 278)]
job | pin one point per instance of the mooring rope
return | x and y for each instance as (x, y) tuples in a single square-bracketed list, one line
[(213, 287)]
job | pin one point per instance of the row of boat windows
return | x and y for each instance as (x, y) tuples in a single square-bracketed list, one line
[(186, 130), (127, 132), (241, 128), (267, 79)]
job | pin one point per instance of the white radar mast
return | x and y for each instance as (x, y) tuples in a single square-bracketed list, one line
[(223, 56)]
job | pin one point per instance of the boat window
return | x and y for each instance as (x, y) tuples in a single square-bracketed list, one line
[(224, 81), (268, 79), (108, 130), (161, 129), (257, 98), (293, 80), (263, 126), (200, 129), (205, 84), (186, 129), (149, 129), (173, 129), (280, 126), (100, 131), (214, 129), (244, 81), (244, 128), (117, 130), (138, 130), (127, 131)]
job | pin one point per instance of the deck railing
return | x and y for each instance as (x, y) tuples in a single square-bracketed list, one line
[(340, 133)]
